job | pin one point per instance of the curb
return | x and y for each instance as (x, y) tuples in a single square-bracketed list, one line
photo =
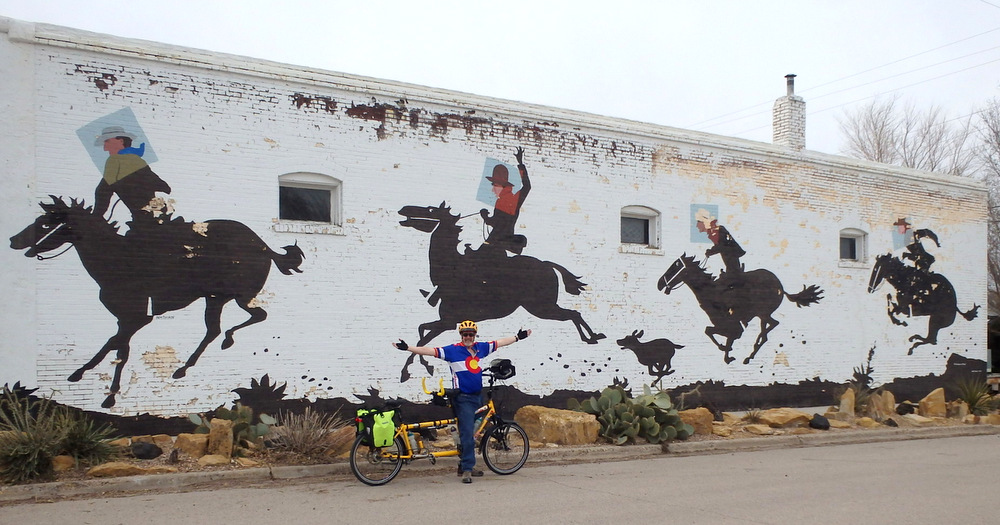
[(539, 456)]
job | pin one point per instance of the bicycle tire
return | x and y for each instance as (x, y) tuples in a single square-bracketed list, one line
[(505, 448), (376, 465)]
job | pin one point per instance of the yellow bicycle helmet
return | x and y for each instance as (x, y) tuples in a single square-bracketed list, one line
[(466, 326)]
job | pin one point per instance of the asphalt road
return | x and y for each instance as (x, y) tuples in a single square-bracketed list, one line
[(932, 481)]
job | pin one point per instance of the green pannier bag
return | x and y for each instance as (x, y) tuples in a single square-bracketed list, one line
[(377, 425)]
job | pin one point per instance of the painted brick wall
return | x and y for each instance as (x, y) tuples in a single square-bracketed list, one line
[(225, 128)]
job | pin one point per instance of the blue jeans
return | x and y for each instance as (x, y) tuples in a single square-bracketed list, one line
[(465, 410)]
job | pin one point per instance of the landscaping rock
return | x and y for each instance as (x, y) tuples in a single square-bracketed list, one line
[(700, 418), (933, 405), (760, 430), (882, 405), (213, 460), (115, 469), (867, 422), (846, 405), (194, 445), (784, 418), (63, 463), (220, 437), (564, 427), (722, 429), (146, 451), (163, 441), (836, 423), (819, 422), (918, 420)]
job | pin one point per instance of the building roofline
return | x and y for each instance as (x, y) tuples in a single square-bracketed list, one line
[(66, 37)]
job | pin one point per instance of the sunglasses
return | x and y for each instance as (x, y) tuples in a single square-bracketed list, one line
[(468, 334)]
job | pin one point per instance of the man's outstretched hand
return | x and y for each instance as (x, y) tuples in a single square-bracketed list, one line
[(522, 334), (401, 345)]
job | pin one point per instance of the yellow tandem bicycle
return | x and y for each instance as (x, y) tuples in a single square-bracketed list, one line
[(503, 445)]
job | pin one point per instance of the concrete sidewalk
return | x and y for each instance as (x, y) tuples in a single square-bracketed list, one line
[(538, 456)]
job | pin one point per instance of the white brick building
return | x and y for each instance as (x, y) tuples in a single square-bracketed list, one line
[(225, 132)]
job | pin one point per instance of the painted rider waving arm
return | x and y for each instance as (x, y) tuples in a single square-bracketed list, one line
[(508, 205)]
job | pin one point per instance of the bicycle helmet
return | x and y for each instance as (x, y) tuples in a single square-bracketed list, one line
[(466, 326)]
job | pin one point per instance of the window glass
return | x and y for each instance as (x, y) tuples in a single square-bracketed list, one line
[(635, 230), (849, 248), (304, 204)]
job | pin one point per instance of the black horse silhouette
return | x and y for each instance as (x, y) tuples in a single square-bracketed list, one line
[(918, 293), (162, 267), (485, 284), (732, 303)]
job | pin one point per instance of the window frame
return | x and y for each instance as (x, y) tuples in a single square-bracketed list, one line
[(653, 225), (860, 239), (312, 181)]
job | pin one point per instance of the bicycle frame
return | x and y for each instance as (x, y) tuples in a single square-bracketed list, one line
[(489, 415)]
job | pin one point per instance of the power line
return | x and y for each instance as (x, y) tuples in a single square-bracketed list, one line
[(874, 81), (755, 106), (873, 96)]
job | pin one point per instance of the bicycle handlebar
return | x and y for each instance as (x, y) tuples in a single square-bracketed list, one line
[(440, 390)]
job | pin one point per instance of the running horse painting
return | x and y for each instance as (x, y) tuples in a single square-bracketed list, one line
[(159, 268), (486, 283), (732, 303), (918, 293)]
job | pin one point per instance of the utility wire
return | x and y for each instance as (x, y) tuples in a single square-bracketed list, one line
[(755, 106), (873, 96), (873, 82)]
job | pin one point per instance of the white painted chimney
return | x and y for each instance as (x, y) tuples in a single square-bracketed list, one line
[(789, 120)]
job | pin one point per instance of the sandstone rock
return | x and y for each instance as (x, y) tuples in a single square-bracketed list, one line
[(992, 419), (784, 418), (918, 420), (220, 437), (933, 404), (121, 443), (730, 419), (552, 425), (721, 429), (882, 405), (194, 445), (867, 422), (847, 404), (142, 439), (801, 430), (836, 423), (163, 441), (957, 409), (63, 463), (213, 460), (700, 418), (114, 469), (760, 430), (247, 462)]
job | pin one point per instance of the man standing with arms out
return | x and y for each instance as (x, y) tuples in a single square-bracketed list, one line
[(467, 378)]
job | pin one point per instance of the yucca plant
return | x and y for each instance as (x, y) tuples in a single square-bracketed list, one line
[(30, 436), (308, 434), (976, 394), (84, 439)]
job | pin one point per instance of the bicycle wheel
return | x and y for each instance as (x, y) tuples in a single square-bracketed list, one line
[(376, 465), (505, 448)]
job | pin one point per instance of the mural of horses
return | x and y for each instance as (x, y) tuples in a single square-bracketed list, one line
[(486, 283), (731, 303), (918, 293), (159, 268)]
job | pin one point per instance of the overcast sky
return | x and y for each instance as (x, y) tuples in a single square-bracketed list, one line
[(714, 66)]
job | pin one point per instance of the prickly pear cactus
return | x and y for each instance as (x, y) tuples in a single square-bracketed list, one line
[(651, 416)]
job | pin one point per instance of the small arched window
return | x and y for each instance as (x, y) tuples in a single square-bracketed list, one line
[(853, 245), (640, 228), (309, 202)]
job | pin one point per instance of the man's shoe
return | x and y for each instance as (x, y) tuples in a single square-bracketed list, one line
[(467, 477), (476, 473)]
